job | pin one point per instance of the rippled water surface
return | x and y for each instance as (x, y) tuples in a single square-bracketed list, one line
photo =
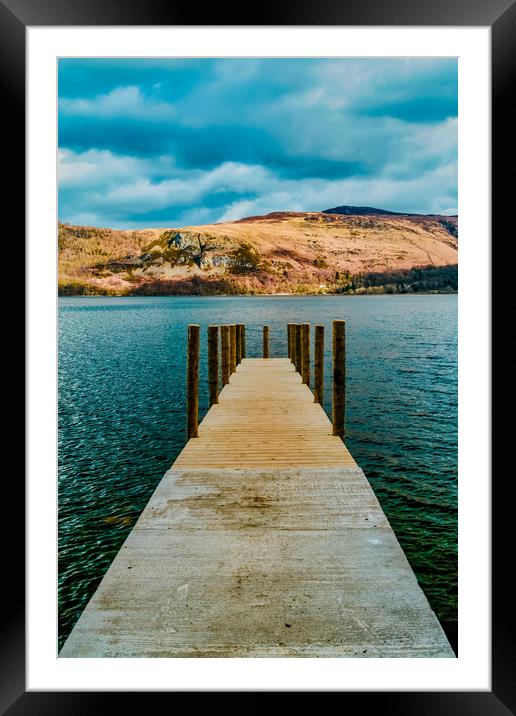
[(122, 417)]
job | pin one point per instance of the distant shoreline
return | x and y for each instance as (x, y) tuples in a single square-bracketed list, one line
[(260, 295)]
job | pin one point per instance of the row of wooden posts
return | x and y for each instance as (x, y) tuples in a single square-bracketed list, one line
[(232, 351)]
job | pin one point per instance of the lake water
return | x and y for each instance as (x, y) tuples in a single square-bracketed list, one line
[(122, 418)]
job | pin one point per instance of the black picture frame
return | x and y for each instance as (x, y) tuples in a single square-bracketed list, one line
[(500, 15)]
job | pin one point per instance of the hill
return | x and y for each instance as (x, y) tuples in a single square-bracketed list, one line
[(281, 252), (372, 211), (363, 211)]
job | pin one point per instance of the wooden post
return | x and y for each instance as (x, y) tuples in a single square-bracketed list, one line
[(293, 345), (213, 364), (192, 382), (292, 342), (242, 340), (238, 343), (319, 365), (305, 339), (299, 347), (289, 337), (241, 332), (224, 345), (266, 341), (339, 377), (232, 348)]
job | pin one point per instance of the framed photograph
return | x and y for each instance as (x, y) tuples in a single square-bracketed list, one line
[(204, 204)]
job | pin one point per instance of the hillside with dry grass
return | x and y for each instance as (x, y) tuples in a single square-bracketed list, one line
[(283, 252)]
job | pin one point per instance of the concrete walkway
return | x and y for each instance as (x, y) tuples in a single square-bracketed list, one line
[(263, 539)]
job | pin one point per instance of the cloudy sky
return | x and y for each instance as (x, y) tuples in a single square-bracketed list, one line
[(173, 142)]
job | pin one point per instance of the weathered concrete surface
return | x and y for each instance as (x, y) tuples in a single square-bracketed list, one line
[(260, 562)]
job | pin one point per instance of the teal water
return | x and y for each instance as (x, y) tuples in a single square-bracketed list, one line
[(122, 418)]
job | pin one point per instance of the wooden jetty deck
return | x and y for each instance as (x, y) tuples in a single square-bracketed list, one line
[(264, 539), (265, 417)]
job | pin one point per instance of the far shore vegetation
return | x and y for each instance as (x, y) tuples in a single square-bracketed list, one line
[(424, 279)]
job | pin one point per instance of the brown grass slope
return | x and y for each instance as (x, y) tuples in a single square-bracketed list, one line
[(282, 252)]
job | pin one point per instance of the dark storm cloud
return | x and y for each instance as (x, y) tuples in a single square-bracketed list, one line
[(146, 142)]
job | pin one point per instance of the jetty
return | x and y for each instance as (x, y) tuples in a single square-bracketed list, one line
[(264, 538)]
